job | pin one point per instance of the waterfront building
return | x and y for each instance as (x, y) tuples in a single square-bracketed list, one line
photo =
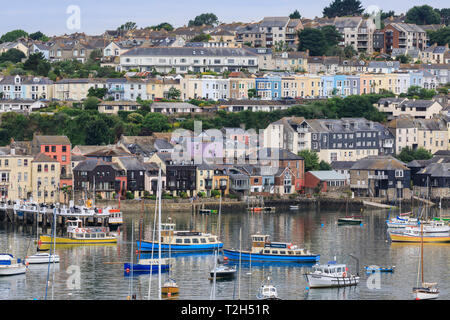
[(45, 179), (59, 149), (105, 179), (324, 181), (381, 176), (135, 174)]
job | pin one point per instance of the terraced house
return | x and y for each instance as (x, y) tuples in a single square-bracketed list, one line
[(187, 59), (431, 134), (26, 88)]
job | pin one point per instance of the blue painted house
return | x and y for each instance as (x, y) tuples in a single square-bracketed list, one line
[(116, 88), (268, 87)]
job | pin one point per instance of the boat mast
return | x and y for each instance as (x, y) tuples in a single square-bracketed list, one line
[(159, 234), (240, 254), (153, 240), (421, 251)]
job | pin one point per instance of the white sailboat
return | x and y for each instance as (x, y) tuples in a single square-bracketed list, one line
[(427, 290)]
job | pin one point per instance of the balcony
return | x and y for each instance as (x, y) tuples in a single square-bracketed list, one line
[(378, 177)]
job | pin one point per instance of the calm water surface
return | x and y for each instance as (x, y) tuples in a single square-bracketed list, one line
[(102, 276)]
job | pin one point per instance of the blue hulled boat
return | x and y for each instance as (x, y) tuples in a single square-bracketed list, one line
[(265, 251), (184, 241), (371, 269), (146, 266)]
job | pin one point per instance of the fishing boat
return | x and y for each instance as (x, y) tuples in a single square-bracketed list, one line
[(353, 220), (436, 231), (265, 250), (147, 265), (374, 268), (267, 291), (330, 275), (77, 234), (427, 290), (42, 257), (10, 266), (181, 240)]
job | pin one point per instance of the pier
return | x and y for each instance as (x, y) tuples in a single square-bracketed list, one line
[(42, 216)]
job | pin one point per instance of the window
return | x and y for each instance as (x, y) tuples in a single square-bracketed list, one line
[(195, 240), (187, 240), (53, 148), (64, 148), (47, 149)]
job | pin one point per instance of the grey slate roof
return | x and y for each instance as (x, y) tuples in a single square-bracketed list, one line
[(436, 170), (379, 163), (131, 163), (327, 175), (274, 22)]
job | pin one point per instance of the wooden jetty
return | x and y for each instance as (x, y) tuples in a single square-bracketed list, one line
[(378, 205)]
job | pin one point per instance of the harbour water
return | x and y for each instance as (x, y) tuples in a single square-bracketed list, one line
[(96, 272)]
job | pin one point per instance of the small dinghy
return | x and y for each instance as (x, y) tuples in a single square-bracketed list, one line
[(42, 257), (373, 268)]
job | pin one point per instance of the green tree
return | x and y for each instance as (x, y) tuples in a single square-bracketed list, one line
[(97, 92), (311, 159), (91, 103), (251, 93), (174, 93), (349, 52), (38, 36), (155, 122), (128, 26), (202, 37), (12, 55), (295, 15), (407, 154), (440, 36), (13, 35), (209, 19), (422, 15), (135, 118), (324, 166), (163, 26), (340, 8), (403, 58), (312, 40), (332, 35)]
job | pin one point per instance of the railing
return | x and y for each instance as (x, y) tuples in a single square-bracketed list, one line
[(378, 176)]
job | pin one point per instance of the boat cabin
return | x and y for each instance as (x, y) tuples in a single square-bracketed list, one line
[(5, 259), (259, 241), (167, 229), (331, 269)]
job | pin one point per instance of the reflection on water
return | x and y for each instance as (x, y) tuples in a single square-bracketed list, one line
[(100, 270)]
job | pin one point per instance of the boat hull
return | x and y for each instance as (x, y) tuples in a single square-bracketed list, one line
[(149, 246), (418, 239), (13, 269), (320, 281), (352, 222), (424, 295), (63, 240), (143, 268), (245, 255), (41, 259), (170, 290)]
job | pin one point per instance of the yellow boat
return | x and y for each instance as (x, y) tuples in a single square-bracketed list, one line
[(410, 238), (77, 234), (170, 288), (436, 231)]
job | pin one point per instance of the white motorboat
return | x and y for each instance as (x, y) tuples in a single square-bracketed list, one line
[(267, 291), (10, 266), (223, 271), (42, 257), (330, 275)]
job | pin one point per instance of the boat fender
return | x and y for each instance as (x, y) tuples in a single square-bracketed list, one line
[(344, 274), (104, 229), (83, 230)]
